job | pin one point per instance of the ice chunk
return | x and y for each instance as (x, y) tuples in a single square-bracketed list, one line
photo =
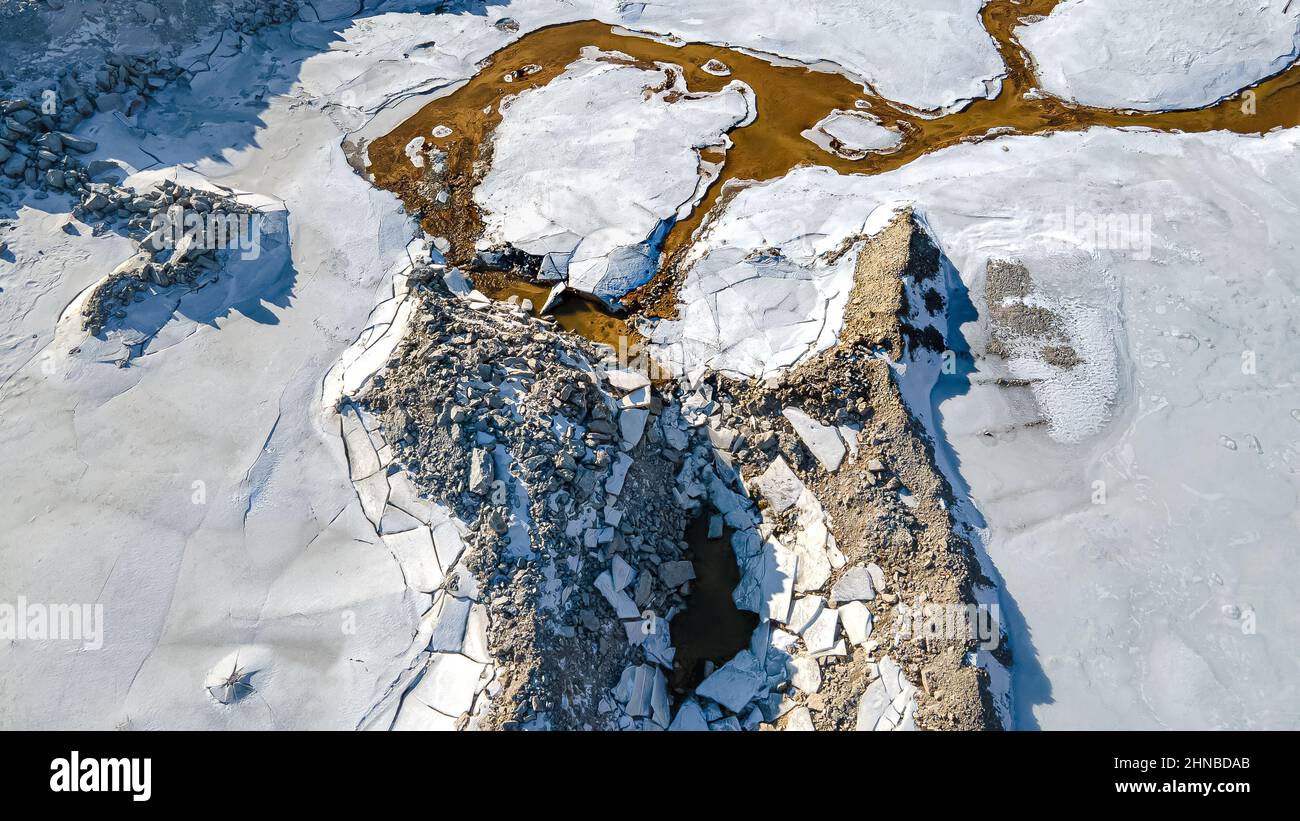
[(823, 440)]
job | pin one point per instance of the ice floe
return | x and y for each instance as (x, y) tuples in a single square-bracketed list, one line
[(1152, 55), (594, 167)]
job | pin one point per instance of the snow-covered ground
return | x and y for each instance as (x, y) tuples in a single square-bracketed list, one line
[(1154, 54), (593, 169), (1146, 532), (872, 42), (199, 494)]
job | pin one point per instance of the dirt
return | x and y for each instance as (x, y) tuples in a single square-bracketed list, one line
[(1017, 323)]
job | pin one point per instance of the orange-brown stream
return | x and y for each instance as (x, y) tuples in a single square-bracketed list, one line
[(791, 99)]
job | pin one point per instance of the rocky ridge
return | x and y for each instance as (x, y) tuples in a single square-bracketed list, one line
[(575, 480)]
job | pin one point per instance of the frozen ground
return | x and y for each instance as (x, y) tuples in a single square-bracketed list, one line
[(1157, 476), (1154, 54)]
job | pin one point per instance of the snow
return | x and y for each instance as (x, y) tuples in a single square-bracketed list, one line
[(768, 283), (1153, 54), (199, 494), (202, 495), (1121, 583), (857, 134), (876, 42), (592, 167)]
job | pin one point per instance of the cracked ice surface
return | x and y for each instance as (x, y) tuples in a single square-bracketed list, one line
[(199, 495), (874, 41), (768, 283), (593, 169), (1153, 54)]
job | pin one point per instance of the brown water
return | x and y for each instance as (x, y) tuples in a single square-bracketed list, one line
[(790, 100)]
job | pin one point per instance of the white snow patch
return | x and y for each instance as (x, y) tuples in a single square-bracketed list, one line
[(1152, 54)]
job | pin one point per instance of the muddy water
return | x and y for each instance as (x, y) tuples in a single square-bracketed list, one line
[(711, 628), (790, 100)]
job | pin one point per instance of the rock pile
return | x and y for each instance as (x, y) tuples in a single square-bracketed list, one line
[(563, 470), (575, 481), (158, 262)]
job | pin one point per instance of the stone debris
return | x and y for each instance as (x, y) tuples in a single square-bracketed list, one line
[(854, 585), (820, 635), (567, 486), (799, 720), (676, 574), (822, 440), (806, 674), (889, 703), (195, 259), (734, 684), (856, 619), (780, 486)]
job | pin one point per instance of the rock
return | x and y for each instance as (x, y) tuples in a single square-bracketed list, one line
[(722, 438), (871, 706), (480, 472), (854, 585), (631, 425), (822, 440), (820, 635), (799, 720), (804, 612), (15, 166), (50, 142), (109, 102), (635, 689), (689, 718), (856, 619), (626, 381), (805, 674), (76, 143), (639, 398), (622, 603), (877, 576), (621, 573), (780, 486), (617, 475), (676, 574)]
